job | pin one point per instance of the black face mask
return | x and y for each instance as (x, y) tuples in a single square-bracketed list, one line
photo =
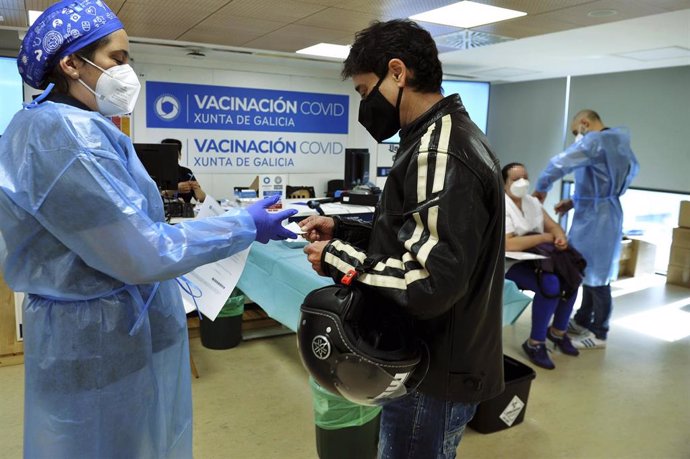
[(378, 116)]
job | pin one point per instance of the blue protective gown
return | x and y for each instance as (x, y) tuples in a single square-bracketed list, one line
[(83, 233), (604, 165)]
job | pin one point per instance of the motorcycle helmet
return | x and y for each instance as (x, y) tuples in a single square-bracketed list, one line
[(358, 347)]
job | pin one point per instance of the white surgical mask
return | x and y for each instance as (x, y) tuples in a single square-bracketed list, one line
[(580, 134), (519, 188), (117, 89)]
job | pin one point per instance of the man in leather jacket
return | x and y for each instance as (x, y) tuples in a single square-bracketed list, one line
[(435, 246)]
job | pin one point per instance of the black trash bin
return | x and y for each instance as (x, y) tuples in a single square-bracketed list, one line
[(508, 408), (359, 442), (226, 331), (344, 430), (222, 333)]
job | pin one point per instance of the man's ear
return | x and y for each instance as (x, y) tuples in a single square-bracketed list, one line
[(399, 71), (70, 66)]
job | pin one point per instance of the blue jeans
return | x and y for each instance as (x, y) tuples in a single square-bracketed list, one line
[(419, 426), (543, 307), (595, 311)]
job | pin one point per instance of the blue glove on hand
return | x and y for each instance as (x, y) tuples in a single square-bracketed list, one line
[(268, 224)]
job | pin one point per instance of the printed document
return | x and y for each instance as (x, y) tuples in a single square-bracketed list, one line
[(214, 281)]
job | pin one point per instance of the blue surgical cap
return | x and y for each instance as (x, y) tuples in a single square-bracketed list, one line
[(62, 29)]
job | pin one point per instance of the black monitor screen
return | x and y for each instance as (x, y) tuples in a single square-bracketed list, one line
[(356, 167), (160, 161)]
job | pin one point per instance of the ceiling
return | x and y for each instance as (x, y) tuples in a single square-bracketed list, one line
[(555, 38)]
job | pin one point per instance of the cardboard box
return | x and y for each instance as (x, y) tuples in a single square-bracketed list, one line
[(679, 256), (678, 275), (681, 238), (626, 249), (684, 214), (637, 258)]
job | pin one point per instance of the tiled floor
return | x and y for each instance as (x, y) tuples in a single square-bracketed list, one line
[(631, 400)]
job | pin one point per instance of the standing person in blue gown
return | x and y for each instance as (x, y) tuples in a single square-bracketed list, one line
[(604, 166), (83, 234)]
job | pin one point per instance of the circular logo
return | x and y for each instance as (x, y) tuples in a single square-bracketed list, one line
[(167, 107), (321, 347), (267, 180), (279, 180), (52, 41)]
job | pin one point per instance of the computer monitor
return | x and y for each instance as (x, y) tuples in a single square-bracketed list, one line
[(356, 167), (160, 161)]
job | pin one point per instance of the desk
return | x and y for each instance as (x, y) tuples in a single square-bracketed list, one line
[(303, 211), (278, 277), (329, 208)]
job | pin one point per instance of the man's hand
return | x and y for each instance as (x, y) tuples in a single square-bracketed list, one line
[(184, 187), (317, 228), (194, 185), (547, 237), (540, 195), (314, 253), (563, 206), (561, 242)]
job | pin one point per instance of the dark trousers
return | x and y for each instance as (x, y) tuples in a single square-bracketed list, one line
[(595, 311)]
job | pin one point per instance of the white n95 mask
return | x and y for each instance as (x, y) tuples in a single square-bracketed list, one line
[(519, 188), (117, 89), (580, 134)]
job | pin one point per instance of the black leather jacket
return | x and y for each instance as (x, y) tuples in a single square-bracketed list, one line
[(435, 248)]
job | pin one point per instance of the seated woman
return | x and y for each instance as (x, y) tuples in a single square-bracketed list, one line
[(528, 225), (187, 187)]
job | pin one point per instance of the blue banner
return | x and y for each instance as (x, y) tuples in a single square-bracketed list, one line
[(195, 106)]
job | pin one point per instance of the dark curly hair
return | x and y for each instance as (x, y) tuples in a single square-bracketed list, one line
[(403, 39)]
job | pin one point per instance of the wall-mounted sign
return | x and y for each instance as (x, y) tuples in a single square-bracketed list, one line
[(239, 130), (195, 106)]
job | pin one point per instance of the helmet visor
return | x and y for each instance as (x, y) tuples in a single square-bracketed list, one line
[(366, 383)]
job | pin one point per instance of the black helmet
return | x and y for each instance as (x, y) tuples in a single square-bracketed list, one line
[(361, 349)]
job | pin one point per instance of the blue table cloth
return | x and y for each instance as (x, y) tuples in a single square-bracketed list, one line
[(278, 276)]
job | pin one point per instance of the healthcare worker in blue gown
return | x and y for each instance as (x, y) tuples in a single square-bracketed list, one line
[(83, 233), (604, 165)]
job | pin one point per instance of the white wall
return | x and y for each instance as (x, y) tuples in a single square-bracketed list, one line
[(655, 106), (526, 125), (155, 63), (526, 121)]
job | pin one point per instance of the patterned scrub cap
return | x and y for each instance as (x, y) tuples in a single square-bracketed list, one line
[(62, 29)]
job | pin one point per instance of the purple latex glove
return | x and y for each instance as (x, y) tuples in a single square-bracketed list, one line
[(268, 224)]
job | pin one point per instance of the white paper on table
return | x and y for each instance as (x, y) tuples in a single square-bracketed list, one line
[(215, 280), (524, 256)]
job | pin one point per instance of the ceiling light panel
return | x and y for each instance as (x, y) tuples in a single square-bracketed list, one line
[(467, 14), (326, 50), (33, 15), (669, 52)]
